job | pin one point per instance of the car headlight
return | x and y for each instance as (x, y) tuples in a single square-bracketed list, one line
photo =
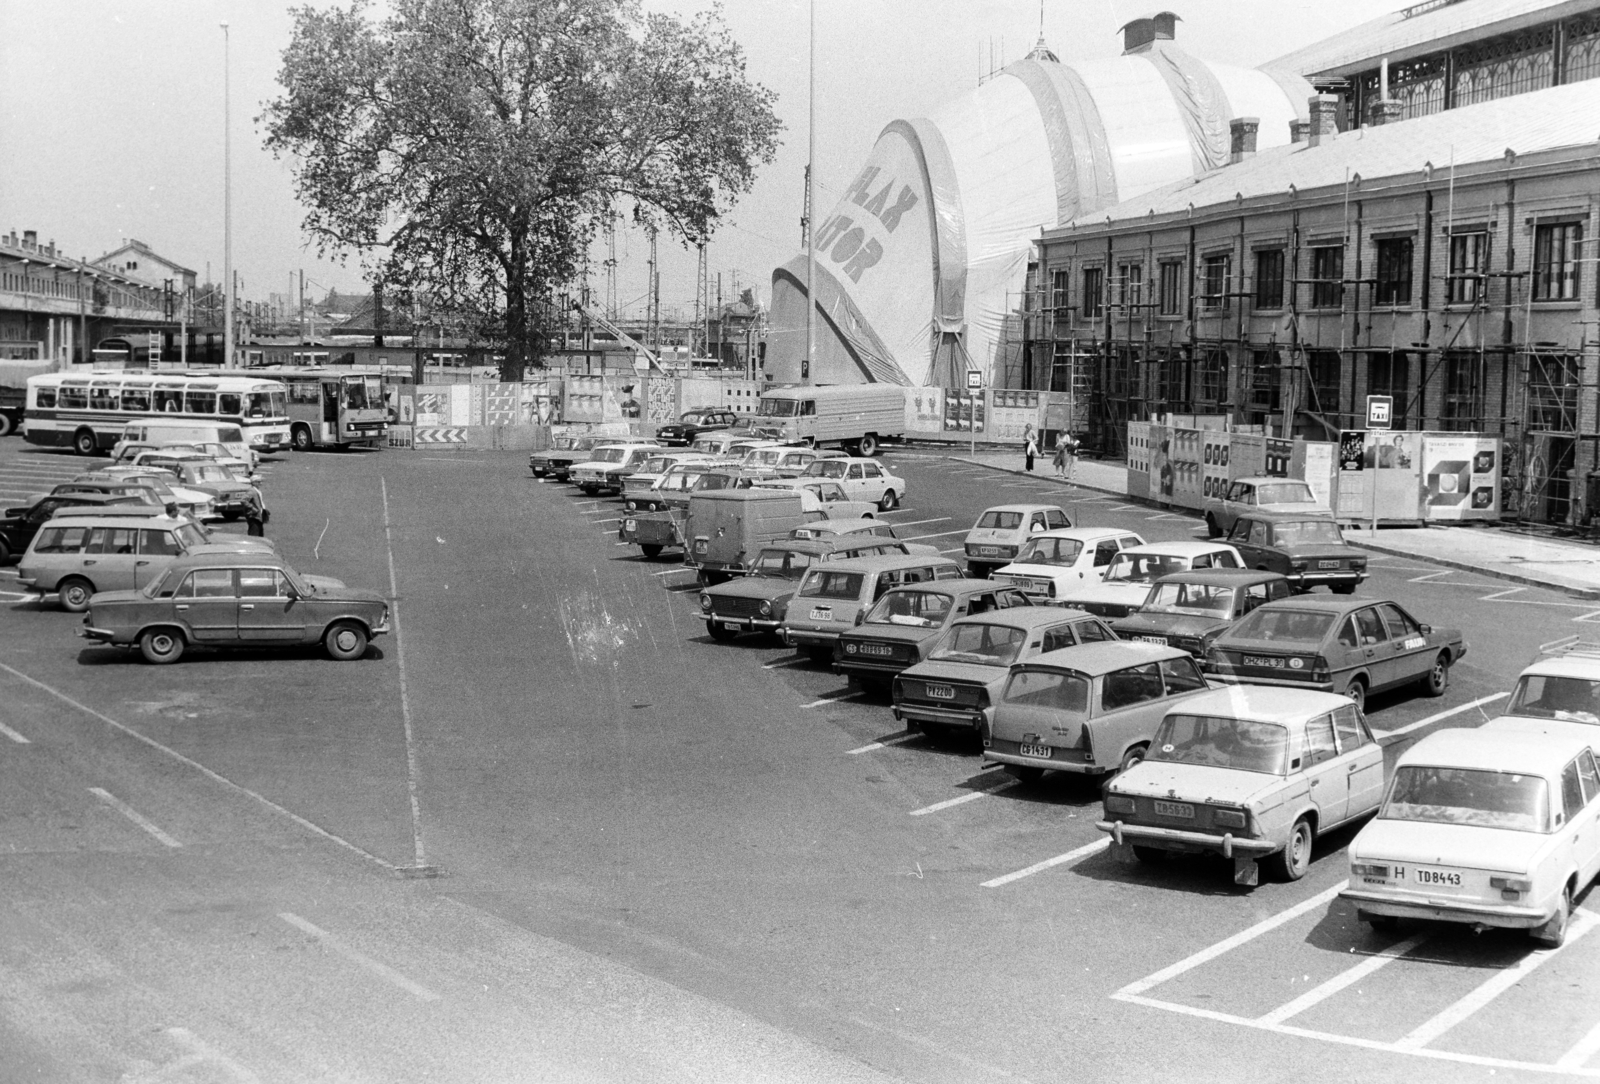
[(766, 609), (1120, 803), (705, 602), (1231, 818)]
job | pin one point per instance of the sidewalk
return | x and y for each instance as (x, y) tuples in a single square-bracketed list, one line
[(1537, 562)]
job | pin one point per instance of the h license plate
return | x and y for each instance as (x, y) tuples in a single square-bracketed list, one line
[(941, 692), (1327, 564), (822, 613), (877, 649), (1437, 877), (1266, 661), (1175, 809), (1162, 640), (1034, 750)]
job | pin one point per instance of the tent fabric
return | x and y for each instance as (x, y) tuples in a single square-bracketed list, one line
[(1202, 103), (949, 232), (838, 312)]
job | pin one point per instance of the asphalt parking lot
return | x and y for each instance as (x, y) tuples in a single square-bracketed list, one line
[(549, 829)]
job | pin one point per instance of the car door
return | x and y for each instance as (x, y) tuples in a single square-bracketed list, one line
[(1376, 650), (1240, 538), (875, 484), (110, 558), (1581, 814), (854, 482), (1362, 757), (208, 602), (1325, 771), (1241, 500), (157, 549), (1408, 647), (1094, 559), (1589, 779), (1132, 702), (268, 610)]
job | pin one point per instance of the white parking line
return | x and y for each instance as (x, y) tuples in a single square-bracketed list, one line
[(382, 970), (831, 700), (1349, 977), (1050, 863), (941, 534), (1497, 984), (1420, 723), (955, 549), (795, 660), (881, 743), (1579, 1055), (920, 522), (1167, 515), (669, 571), (1431, 576), (614, 519), (965, 798), (133, 815), (13, 735)]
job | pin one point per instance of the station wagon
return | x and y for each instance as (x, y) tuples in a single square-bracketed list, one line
[(1191, 609), (1246, 496), (1308, 549), (758, 600), (832, 600), (903, 625)]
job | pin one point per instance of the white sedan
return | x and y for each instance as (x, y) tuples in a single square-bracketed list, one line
[(1057, 562), (1127, 579), (862, 479), (819, 493)]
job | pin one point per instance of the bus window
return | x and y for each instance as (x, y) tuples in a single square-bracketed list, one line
[(200, 402), (355, 394), (103, 397), (272, 404), (229, 403), (44, 398), (168, 400), (74, 397), (136, 399)]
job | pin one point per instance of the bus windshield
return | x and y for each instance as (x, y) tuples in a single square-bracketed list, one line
[(268, 404)]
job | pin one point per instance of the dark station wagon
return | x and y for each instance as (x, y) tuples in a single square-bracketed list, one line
[(758, 600), (1304, 546), (902, 626)]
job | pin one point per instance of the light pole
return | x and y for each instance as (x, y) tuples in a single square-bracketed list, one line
[(227, 209), (811, 203)]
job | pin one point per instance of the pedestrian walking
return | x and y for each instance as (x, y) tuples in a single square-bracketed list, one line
[(1066, 455), (1060, 460), (256, 516), (1030, 449)]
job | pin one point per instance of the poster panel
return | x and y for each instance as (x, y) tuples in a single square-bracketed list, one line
[(925, 409), (1460, 478), (1319, 470)]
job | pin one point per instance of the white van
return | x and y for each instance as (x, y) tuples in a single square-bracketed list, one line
[(157, 432)]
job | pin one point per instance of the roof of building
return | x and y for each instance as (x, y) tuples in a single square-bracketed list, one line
[(137, 246), (1523, 124), (1423, 28)]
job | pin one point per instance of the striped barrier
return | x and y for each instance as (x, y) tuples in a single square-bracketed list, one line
[(457, 435)]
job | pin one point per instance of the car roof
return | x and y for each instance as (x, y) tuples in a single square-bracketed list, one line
[(752, 493), (1023, 508), (1027, 617), (833, 544), (1265, 703), (963, 586), (889, 562), (1587, 669), (1517, 750), (1221, 577), (1321, 514), (1255, 479), (1105, 656), (115, 519), (1181, 547), (843, 526), (1083, 534), (1317, 603), (212, 558), (89, 500)]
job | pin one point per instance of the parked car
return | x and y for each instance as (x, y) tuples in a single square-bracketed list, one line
[(954, 689), (782, 460), (1247, 496), (1126, 582), (1352, 647), (1308, 549), (608, 465), (726, 528), (1090, 709), (1191, 609), (672, 489), (564, 454), (862, 479), (902, 626), (20, 524), (662, 526), (1483, 829), (827, 495), (758, 600), (637, 486), (692, 423), (1000, 533), (833, 600), (1248, 773), (824, 527), (196, 502), (231, 496), (237, 600), (1562, 686), (1055, 562)]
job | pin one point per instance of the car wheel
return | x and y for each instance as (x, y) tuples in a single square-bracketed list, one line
[(161, 646), (1295, 858), (345, 641), (1437, 679), (719, 631), (84, 443), (301, 439), (1213, 528), (1358, 692), (887, 502), (869, 445), (1025, 775), (1132, 757), (74, 593), (1380, 923), (1554, 932), (651, 549), (1150, 855)]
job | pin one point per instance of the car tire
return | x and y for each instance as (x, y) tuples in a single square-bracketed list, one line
[(1379, 923), (345, 641), (1357, 691), (1025, 775), (1292, 862), (888, 501), (161, 646), (300, 438), (1437, 679), (73, 593), (1554, 932), (7, 426), (1149, 855), (1213, 528), (719, 631), (85, 443), (651, 550), (868, 445), (1132, 757)]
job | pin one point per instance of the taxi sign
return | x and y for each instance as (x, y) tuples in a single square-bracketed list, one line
[(1380, 411), (974, 379)]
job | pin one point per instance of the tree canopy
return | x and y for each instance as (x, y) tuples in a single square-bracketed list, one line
[(470, 150)]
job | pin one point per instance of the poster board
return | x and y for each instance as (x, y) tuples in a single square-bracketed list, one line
[(1460, 477)]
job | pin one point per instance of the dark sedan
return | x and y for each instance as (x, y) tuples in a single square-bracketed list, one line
[(1191, 609), (1304, 546), (693, 423)]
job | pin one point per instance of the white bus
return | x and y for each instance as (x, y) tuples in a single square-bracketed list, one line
[(87, 412)]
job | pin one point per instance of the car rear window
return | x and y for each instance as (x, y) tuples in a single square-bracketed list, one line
[(988, 645), (60, 540), (1308, 532), (1294, 626), (913, 609), (1051, 551), (1475, 796), (1056, 689), (1000, 521), (1226, 743), (838, 585)]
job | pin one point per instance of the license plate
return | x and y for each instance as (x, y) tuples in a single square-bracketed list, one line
[(1175, 809), (821, 613), (1264, 661), (1034, 750), (1437, 877), (876, 649), (941, 692), (630, 525), (1162, 640), (1327, 564), (988, 551)]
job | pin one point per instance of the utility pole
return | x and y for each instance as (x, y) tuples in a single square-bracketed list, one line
[(227, 207), (652, 316), (304, 337), (811, 159)]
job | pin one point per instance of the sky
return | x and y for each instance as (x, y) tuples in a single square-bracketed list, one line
[(112, 116)]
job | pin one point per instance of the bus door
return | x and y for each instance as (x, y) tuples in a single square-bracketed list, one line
[(330, 411)]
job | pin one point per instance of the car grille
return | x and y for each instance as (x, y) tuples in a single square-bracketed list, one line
[(732, 606), (940, 693)]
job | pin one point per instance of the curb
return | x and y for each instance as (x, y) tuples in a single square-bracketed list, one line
[(1052, 479)]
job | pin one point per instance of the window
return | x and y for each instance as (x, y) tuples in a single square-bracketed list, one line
[(1469, 260), (1571, 790), (1215, 273), (1463, 391), (1370, 626), (1213, 376), (1347, 633), (230, 403), (1347, 727), (1327, 273), (208, 583), (1092, 632), (1171, 300), (1094, 300), (1104, 552), (60, 540), (1323, 369), (113, 540), (1401, 626), (1059, 286), (1390, 374), (74, 397), (1135, 685), (1319, 741), (1556, 250), (103, 397), (1181, 676), (1056, 519), (1048, 689), (1263, 379), (158, 543), (1394, 271), (1130, 285), (1589, 774), (1057, 638), (1269, 279), (200, 402), (262, 583)]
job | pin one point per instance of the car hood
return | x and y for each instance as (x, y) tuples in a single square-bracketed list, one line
[(322, 583), (1566, 728), (949, 670), (1193, 782), (899, 633), (1139, 623), (347, 594), (1430, 844), (765, 588), (1126, 594)]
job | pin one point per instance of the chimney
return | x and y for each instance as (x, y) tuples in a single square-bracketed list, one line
[(30, 239), (1298, 130), (1243, 131), (1384, 111), (1324, 119), (1139, 34)]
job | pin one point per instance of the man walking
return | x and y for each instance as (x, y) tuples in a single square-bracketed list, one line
[(1030, 449), (1066, 455)]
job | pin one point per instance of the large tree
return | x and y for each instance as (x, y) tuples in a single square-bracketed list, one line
[(469, 150)]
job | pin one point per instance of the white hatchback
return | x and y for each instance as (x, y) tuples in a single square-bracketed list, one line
[(1127, 579), (1001, 532), (1055, 563)]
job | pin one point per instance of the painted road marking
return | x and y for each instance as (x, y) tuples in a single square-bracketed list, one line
[(1420, 723), (1431, 576), (200, 1053), (133, 815), (793, 660), (920, 522), (1579, 1055), (1050, 863), (13, 735), (941, 534), (831, 699), (383, 970), (965, 798), (670, 571), (1349, 977), (1168, 515), (954, 549), (419, 857), (614, 519), (882, 743)]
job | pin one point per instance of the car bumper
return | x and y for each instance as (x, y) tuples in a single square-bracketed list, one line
[(747, 624), (971, 718), (1517, 918), (851, 664), (1212, 674), (1313, 578), (104, 636), (1228, 845), (808, 637)]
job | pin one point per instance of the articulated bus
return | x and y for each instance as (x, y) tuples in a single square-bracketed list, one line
[(329, 407), (88, 411)]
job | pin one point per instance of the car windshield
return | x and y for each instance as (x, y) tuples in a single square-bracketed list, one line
[(1128, 567), (1221, 742), (212, 473), (1051, 551), (610, 455), (563, 444), (1290, 626), (826, 468), (987, 645), (784, 564), (1307, 532), (1059, 690), (822, 583), (914, 609), (192, 534), (778, 408), (764, 457), (1546, 696), (1474, 796), (1284, 493), (657, 465), (999, 521), (1205, 600)]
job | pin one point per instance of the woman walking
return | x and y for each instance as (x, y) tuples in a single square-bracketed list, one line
[(1060, 460), (1030, 449), (1066, 455)]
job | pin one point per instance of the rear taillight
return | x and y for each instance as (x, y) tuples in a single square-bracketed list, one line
[(1319, 669), (1052, 588)]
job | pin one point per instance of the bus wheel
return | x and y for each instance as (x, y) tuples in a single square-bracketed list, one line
[(84, 443), (869, 445), (301, 438), (6, 425)]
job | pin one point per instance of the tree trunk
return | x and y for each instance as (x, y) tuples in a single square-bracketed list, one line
[(516, 363)]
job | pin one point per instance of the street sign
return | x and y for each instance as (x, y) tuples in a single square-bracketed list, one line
[(1380, 411), (974, 380)]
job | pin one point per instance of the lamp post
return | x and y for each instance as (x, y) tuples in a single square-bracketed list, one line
[(227, 208), (811, 202)]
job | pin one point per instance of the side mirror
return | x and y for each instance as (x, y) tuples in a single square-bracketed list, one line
[(1426, 629)]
